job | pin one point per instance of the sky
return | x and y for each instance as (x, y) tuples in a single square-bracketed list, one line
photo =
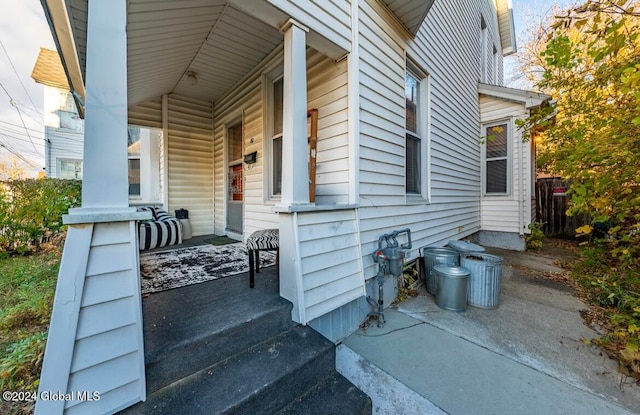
[(24, 30)]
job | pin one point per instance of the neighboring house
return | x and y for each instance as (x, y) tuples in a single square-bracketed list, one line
[(64, 136), (405, 92), (63, 127)]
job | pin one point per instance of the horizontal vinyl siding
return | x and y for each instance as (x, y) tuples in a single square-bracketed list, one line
[(447, 48), (147, 114), (190, 161), (108, 353), (327, 92), (328, 18), (64, 145), (330, 260), (502, 213)]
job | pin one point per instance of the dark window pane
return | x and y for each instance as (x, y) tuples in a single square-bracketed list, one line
[(497, 141), (277, 165), (411, 94), (413, 164), (134, 177), (277, 106), (497, 176), (235, 142)]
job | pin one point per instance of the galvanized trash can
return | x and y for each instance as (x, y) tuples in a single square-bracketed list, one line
[(452, 287), (485, 279), (464, 247), (433, 256)]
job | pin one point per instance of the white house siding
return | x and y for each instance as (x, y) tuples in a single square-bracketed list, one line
[(447, 47), (329, 248), (189, 146), (98, 310), (326, 91), (505, 213), (329, 18), (62, 144)]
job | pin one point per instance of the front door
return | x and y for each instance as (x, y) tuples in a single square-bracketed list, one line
[(235, 183)]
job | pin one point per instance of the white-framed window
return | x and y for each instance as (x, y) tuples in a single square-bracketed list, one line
[(70, 169), (273, 89), (484, 51), (496, 157), (416, 130), (143, 155)]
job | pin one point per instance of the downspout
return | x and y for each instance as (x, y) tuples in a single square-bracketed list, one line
[(521, 190)]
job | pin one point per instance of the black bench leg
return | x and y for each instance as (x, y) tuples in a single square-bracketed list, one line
[(257, 253), (251, 276)]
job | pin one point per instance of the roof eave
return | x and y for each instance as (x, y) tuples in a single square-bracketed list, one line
[(56, 14), (529, 99)]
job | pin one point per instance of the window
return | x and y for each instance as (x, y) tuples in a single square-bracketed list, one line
[(70, 169), (496, 177), (133, 143), (484, 51), (144, 163), (273, 129), (416, 145)]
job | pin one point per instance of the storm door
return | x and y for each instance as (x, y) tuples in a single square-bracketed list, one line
[(235, 179)]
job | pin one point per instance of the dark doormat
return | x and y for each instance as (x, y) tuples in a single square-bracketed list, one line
[(220, 240)]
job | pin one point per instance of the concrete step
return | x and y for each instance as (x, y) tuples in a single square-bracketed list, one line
[(262, 380), (334, 396), (197, 326)]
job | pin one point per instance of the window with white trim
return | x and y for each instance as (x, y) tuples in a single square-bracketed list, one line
[(416, 122), (496, 158), (273, 114), (143, 155), (70, 169)]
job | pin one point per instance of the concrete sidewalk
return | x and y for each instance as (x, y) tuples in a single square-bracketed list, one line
[(526, 357)]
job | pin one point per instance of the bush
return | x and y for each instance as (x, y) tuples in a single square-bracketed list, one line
[(535, 238), (615, 289), (31, 212)]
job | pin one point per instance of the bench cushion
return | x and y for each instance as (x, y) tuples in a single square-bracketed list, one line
[(264, 239)]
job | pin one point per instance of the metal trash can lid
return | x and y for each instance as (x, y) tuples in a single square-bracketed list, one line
[(464, 246), (451, 271), (436, 250), (479, 256)]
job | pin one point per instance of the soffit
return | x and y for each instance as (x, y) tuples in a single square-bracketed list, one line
[(167, 40), (411, 13)]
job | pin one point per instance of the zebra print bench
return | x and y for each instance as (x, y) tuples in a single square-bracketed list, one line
[(162, 230), (263, 240)]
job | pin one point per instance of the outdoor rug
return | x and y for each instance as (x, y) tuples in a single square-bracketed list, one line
[(175, 268)]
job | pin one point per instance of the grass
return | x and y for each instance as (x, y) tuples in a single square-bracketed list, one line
[(27, 286)]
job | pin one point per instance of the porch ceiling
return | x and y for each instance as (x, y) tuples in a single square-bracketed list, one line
[(211, 40)]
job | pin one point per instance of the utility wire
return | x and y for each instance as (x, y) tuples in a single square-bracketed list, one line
[(13, 103), (20, 79), (17, 154)]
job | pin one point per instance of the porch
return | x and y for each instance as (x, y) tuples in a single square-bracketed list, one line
[(221, 347)]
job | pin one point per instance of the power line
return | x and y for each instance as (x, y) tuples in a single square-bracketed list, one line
[(20, 79), (17, 154), (13, 103)]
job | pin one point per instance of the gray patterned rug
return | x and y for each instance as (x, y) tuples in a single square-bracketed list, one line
[(161, 271)]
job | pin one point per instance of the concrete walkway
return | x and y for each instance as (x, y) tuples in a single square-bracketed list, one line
[(526, 357)]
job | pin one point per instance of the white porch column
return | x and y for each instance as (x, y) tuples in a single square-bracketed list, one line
[(295, 170), (95, 340), (105, 174)]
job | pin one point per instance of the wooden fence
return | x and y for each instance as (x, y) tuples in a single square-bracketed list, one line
[(552, 203)]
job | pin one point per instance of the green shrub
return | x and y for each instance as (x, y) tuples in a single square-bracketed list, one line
[(535, 238), (31, 212)]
